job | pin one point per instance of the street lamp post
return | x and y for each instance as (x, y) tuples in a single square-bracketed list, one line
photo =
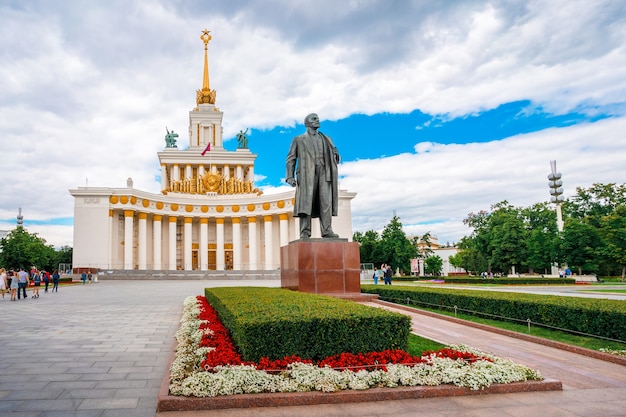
[(556, 191)]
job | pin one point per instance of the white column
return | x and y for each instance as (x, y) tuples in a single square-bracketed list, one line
[(188, 171), (236, 243), (172, 244), (110, 240), (226, 172), (200, 170), (156, 242), (175, 173), (252, 246), (142, 247), (164, 180), (269, 264), (204, 244), (220, 260), (284, 229), (239, 172), (187, 243), (251, 173), (128, 239)]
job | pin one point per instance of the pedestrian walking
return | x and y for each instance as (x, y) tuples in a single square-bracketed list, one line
[(23, 280), (37, 284), (3, 281), (14, 286), (46, 280), (55, 281)]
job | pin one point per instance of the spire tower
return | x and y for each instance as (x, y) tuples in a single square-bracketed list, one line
[(205, 95)]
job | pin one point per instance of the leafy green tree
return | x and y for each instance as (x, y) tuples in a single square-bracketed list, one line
[(593, 211), (427, 247), (595, 202), (368, 244), (614, 236), (20, 249), (579, 245), (433, 265), (541, 237), (476, 249), (507, 237), (469, 256), (396, 249), (63, 256)]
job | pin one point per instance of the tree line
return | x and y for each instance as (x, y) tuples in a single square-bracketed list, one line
[(21, 249), (593, 239), (394, 248)]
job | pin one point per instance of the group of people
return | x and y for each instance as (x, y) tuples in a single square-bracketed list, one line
[(384, 273), (16, 282)]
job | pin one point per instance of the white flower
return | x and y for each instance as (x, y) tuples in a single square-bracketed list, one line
[(187, 378)]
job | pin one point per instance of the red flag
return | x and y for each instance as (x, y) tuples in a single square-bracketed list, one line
[(207, 149)]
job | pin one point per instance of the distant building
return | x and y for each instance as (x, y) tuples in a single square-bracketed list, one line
[(432, 248), (208, 216)]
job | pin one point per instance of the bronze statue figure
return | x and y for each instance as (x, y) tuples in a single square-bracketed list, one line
[(313, 158)]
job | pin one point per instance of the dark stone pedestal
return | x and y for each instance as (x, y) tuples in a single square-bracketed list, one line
[(322, 266)]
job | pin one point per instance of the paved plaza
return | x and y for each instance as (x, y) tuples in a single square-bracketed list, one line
[(101, 350)]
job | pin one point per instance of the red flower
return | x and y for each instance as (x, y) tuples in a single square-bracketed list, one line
[(225, 352)]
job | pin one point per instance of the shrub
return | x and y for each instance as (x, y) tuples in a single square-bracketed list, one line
[(274, 323)]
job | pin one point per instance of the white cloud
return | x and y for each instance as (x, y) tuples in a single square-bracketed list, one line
[(434, 190), (88, 88)]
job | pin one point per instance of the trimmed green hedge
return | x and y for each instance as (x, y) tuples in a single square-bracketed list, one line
[(606, 318), (500, 280), (509, 280), (275, 322)]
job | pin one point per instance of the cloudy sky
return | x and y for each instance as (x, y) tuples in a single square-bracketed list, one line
[(438, 108)]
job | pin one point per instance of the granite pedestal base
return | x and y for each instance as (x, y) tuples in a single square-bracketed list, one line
[(322, 266)]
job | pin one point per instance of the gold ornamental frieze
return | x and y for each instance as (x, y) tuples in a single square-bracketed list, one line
[(214, 183)]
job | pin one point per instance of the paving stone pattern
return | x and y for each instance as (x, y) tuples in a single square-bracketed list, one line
[(101, 350)]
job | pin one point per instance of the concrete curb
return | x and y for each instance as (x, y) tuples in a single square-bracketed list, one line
[(166, 402)]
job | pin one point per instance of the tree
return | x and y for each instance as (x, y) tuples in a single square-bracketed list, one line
[(594, 211), (579, 245), (426, 249), (396, 249), (20, 249), (614, 236), (368, 244), (507, 237), (541, 237), (63, 256), (470, 257), (433, 265)]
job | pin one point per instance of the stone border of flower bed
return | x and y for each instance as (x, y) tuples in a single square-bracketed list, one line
[(166, 402)]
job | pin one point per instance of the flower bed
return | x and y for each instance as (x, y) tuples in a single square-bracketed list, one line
[(207, 364)]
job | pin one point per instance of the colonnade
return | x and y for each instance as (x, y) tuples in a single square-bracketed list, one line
[(246, 251)]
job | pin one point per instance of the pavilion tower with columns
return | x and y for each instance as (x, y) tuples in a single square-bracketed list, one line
[(208, 216)]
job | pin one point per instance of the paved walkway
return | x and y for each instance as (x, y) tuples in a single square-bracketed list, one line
[(101, 350)]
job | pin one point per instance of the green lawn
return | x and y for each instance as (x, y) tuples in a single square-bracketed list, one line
[(571, 339), (418, 344)]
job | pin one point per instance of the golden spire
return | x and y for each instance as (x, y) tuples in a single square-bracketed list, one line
[(206, 95)]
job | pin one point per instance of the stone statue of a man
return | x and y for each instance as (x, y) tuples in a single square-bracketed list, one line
[(313, 158)]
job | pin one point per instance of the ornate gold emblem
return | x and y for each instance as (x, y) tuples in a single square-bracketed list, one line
[(211, 182)]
